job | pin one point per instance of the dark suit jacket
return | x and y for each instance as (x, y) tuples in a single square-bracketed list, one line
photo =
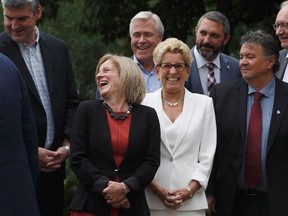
[(283, 63), (230, 102), (229, 71), (93, 163), (18, 154), (63, 96)]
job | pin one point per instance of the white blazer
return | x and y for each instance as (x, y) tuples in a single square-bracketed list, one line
[(193, 152)]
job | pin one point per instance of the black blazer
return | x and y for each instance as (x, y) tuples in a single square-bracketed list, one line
[(64, 101), (60, 81), (92, 160), (230, 101)]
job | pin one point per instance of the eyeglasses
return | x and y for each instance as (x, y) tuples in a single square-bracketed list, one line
[(283, 25), (178, 66)]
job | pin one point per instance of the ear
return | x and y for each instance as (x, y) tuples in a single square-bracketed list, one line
[(39, 12), (226, 39), (188, 69), (196, 29), (157, 72), (271, 62)]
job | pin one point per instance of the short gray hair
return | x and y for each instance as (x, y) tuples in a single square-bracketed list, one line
[(146, 15), (21, 3)]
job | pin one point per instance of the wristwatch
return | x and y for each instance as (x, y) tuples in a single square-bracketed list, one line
[(67, 149)]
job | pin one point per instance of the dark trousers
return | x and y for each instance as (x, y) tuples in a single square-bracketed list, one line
[(50, 194), (251, 204)]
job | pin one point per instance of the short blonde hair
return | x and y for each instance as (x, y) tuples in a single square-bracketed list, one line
[(172, 45), (132, 81)]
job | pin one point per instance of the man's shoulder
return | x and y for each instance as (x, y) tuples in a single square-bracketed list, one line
[(51, 38), (229, 58), (230, 86)]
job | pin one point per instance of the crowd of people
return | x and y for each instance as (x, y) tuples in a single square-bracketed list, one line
[(173, 130)]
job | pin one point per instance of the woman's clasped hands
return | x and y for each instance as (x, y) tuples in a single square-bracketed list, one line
[(115, 194)]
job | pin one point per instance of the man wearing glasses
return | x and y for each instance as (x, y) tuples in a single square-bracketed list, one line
[(281, 30)]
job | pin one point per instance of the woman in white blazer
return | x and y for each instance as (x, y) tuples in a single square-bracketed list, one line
[(188, 136)]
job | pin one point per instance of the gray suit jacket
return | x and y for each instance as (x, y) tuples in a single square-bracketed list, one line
[(229, 71), (283, 62)]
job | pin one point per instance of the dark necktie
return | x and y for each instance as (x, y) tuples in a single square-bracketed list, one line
[(253, 150), (211, 76)]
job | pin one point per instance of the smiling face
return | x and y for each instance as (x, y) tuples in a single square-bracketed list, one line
[(173, 80), (282, 31), (108, 80), (20, 22), (210, 38), (144, 39)]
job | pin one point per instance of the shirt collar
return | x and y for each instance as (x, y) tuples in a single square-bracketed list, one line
[(25, 45), (268, 90)]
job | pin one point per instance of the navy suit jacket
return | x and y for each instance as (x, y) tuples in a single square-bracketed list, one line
[(230, 104), (229, 71), (19, 153)]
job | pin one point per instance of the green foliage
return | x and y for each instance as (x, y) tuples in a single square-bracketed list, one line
[(92, 28)]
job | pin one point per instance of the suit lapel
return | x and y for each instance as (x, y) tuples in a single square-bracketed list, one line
[(161, 115), (186, 117), (12, 51), (46, 53), (279, 109), (241, 107), (195, 77), (224, 70), (283, 64)]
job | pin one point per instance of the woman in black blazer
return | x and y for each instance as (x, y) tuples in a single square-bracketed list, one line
[(115, 149)]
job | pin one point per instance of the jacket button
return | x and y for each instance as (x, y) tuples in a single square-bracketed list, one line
[(116, 170), (171, 159)]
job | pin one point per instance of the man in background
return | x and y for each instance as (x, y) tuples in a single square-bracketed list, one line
[(146, 31), (44, 63), (281, 30), (210, 66)]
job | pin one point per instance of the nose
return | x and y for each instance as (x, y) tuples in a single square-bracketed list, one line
[(206, 39), (142, 38), (173, 69), (99, 75), (14, 24), (279, 31)]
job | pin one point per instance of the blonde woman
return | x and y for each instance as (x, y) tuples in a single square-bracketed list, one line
[(188, 136), (115, 149)]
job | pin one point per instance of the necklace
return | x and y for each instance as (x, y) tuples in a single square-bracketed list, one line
[(115, 115), (172, 104)]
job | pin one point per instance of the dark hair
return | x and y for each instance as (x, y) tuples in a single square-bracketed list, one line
[(268, 42), (218, 17)]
